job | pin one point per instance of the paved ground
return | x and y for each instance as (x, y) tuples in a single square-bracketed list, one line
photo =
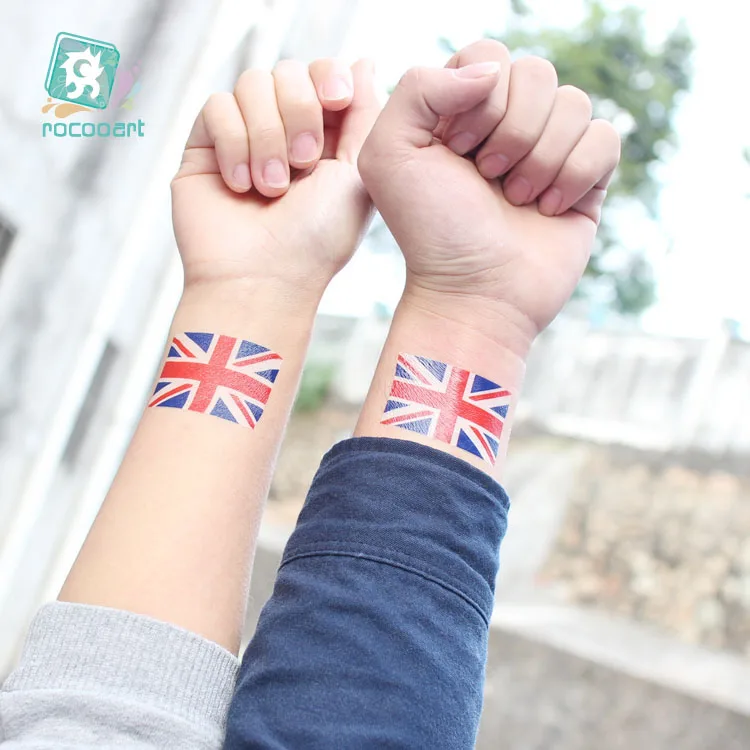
[(539, 698)]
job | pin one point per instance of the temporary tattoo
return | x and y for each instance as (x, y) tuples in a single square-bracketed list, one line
[(446, 403), (219, 375)]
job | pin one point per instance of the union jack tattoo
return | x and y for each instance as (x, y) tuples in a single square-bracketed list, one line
[(218, 375), (448, 404)]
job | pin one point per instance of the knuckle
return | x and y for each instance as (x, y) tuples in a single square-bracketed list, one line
[(244, 79), (580, 169), (483, 50), (536, 166), (411, 79), (289, 67), (538, 67), (217, 102), (606, 130), (323, 62), (576, 97), (607, 134), (308, 111), (248, 78), (495, 110), (494, 46), (266, 134), (231, 142)]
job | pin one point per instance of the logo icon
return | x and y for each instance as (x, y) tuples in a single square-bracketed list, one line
[(82, 71)]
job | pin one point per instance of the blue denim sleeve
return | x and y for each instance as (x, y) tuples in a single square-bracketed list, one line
[(376, 633)]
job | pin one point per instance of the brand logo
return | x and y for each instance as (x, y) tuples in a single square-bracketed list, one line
[(81, 78), (82, 71)]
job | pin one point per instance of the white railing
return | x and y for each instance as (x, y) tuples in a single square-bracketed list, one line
[(650, 392)]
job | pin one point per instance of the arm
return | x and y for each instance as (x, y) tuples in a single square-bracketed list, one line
[(494, 246), (376, 633), (120, 658), (176, 534)]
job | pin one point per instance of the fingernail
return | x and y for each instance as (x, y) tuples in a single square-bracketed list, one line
[(336, 88), (304, 147), (462, 142), (478, 70), (518, 190), (241, 176), (551, 202), (493, 166), (274, 174)]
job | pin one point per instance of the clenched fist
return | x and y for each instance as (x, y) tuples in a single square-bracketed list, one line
[(492, 180)]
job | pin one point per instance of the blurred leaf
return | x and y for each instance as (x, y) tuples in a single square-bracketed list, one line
[(317, 378), (635, 288), (446, 45), (520, 8)]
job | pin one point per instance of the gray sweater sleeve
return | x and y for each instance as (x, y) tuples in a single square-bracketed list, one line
[(91, 677)]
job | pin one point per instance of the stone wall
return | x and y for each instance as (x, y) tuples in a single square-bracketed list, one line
[(658, 542)]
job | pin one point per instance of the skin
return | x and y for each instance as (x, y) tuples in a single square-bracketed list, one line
[(176, 534), (496, 243)]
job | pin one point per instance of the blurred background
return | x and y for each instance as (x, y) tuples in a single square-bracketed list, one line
[(623, 610)]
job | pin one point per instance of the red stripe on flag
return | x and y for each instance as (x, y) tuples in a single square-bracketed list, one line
[(177, 343), (406, 365), (484, 396), (490, 454), (254, 360), (243, 409), (159, 397), (408, 417)]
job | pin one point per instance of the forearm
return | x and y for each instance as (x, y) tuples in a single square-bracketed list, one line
[(176, 534), (468, 336)]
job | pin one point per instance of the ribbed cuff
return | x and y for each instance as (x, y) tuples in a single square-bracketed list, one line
[(409, 505), (121, 654)]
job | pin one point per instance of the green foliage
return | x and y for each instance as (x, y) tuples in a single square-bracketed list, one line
[(317, 378), (636, 87), (520, 7)]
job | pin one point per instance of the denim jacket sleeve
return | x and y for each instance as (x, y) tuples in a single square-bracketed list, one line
[(375, 635)]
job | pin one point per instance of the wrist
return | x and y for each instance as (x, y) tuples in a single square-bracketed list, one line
[(448, 380), (487, 323), (249, 301)]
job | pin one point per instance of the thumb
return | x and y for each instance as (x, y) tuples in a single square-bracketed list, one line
[(361, 114), (424, 95)]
